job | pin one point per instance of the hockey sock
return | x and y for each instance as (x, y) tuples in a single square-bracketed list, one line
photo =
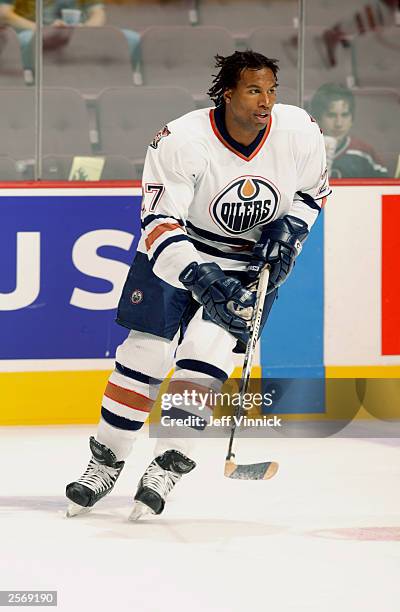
[(117, 440), (126, 404)]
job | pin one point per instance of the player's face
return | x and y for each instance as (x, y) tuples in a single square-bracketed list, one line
[(248, 106), (337, 120)]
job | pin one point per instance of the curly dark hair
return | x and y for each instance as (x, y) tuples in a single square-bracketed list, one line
[(231, 68)]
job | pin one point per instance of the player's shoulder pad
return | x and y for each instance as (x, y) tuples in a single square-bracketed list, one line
[(189, 128), (294, 119)]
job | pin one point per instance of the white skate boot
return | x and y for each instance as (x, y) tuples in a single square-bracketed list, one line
[(98, 480), (158, 480)]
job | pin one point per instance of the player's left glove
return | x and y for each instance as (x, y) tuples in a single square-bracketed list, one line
[(225, 300), (280, 243)]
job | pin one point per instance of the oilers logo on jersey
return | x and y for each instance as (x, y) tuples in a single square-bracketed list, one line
[(245, 203)]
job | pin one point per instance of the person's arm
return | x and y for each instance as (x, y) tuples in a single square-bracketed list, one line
[(313, 184), (9, 17), (169, 178), (281, 241), (96, 16), (172, 167)]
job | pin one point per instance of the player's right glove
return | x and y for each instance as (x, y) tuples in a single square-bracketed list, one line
[(225, 300)]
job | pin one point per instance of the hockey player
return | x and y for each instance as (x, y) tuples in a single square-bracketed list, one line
[(225, 191)]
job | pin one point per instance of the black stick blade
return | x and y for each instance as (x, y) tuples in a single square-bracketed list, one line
[(251, 471)]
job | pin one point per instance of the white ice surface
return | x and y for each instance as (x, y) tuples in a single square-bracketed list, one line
[(323, 535)]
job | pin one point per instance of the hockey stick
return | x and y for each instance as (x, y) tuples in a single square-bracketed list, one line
[(267, 469)]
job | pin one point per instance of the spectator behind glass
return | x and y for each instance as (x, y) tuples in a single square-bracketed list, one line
[(20, 15), (333, 107)]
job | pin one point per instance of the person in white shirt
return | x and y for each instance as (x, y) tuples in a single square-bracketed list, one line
[(226, 190)]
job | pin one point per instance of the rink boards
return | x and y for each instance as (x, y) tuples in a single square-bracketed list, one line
[(65, 252)]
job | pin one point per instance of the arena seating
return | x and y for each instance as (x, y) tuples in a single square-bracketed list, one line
[(96, 102), (141, 16), (328, 12), (11, 70), (377, 59), (9, 169), (116, 167), (240, 21), (390, 35), (129, 118), (183, 56), (65, 122), (88, 60), (281, 42), (377, 121)]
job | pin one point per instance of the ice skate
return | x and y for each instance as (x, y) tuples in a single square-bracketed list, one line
[(157, 482), (98, 480)]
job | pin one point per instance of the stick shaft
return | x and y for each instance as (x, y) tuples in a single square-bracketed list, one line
[(250, 349)]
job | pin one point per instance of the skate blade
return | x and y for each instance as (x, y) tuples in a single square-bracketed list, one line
[(140, 510), (75, 509)]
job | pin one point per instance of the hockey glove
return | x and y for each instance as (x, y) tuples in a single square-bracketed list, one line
[(280, 243), (225, 300)]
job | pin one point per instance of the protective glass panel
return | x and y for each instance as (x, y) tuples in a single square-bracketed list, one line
[(137, 64), (17, 119), (352, 75)]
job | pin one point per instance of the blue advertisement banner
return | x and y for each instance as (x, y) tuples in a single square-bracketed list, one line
[(63, 261)]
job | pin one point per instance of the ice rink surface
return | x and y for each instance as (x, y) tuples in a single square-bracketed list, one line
[(323, 535)]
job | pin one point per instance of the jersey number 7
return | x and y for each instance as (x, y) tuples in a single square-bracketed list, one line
[(157, 190)]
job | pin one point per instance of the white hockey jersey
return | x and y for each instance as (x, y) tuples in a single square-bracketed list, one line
[(205, 200)]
